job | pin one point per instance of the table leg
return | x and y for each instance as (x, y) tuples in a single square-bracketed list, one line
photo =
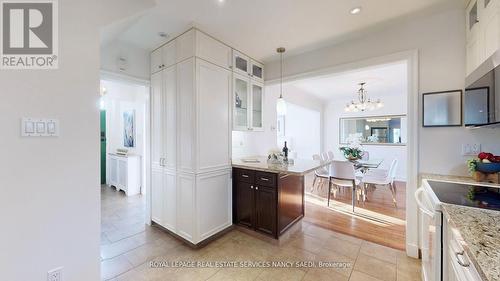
[(353, 196)]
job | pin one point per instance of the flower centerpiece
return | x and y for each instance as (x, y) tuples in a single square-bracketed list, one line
[(354, 150)]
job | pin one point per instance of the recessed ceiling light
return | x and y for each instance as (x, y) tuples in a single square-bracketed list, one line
[(355, 11), (221, 1), (162, 34)]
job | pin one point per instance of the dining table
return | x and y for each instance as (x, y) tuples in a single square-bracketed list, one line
[(363, 166)]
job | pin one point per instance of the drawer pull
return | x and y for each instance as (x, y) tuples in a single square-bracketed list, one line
[(245, 176), (464, 264), (264, 179)]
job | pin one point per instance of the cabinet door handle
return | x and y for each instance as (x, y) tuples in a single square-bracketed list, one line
[(245, 176), (264, 179), (251, 187), (464, 264)]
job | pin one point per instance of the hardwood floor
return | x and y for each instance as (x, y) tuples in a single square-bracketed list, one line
[(376, 220)]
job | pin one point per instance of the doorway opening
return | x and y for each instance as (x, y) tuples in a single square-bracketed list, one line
[(124, 119), (382, 133)]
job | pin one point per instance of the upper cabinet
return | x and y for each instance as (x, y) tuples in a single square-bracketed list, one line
[(163, 57), (482, 31), (241, 63), (248, 105), (213, 50), (246, 66), (248, 93)]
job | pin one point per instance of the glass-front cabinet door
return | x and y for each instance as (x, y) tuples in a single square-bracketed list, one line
[(241, 63), (257, 106), (241, 103), (257, 70)]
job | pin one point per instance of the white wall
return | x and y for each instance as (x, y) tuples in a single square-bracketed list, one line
[(49, 207), (394, 104), (302, 131), (121, 97), (440, 40), (259, 143), (137, 59)]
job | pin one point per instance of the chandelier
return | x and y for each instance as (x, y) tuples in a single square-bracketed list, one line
[(364, 103)]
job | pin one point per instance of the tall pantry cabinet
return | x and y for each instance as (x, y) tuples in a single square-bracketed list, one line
[(191, 84)]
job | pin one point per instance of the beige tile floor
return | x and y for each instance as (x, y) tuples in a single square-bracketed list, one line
[(128, 246)]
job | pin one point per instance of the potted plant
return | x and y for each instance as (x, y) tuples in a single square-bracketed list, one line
[(354, 150)]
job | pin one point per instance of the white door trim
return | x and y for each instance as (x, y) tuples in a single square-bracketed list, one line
[(411, 58)]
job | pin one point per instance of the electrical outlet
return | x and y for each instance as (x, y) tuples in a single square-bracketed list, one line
[(55, 274)]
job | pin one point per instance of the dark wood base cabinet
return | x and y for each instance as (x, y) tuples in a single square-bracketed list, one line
[(269, 203)]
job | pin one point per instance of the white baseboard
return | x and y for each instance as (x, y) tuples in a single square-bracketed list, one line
[(412, 250)]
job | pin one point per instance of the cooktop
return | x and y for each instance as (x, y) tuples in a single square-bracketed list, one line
[(484, 197)]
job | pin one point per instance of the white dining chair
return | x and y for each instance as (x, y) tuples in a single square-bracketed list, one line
[(383, 177), (330, 155), (320, 175), (343, 174), (324, 156)]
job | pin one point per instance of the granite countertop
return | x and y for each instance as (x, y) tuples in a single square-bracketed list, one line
[(299, 167), (480, 231), (460, 179)]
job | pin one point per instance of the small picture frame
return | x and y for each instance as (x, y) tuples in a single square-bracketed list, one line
[(129, 128), (442, 109)]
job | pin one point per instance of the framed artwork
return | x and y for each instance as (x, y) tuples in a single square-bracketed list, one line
[(129, 128), (442, 109), (280, 126)]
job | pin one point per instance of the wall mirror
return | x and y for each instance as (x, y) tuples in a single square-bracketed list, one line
[(386, 130), (442, 109)]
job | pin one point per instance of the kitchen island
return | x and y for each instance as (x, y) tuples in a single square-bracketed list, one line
[(269, 198)]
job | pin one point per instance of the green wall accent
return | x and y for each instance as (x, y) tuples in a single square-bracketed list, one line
[(103, 146)]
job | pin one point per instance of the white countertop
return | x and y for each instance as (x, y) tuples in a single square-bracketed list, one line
[(299, 167)]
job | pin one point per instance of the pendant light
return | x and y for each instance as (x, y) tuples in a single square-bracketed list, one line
[(280, 103)]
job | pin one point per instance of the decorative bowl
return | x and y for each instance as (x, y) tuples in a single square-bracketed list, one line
[(488, 167)]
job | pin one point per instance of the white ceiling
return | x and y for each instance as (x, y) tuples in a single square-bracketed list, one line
[(382, 81), (257, 27)]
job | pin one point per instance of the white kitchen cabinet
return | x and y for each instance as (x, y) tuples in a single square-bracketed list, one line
[(185, 45), (241, 103), (241, 63), (213, 85), (124, 173), (187, 99), (163, 57), (246, 66), (456, 263), (257, 106), (213, 51), (482, 32), (248, 105), (257, 70), (156, 61)]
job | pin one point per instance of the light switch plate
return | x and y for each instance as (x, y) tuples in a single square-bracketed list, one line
[(37, 127)]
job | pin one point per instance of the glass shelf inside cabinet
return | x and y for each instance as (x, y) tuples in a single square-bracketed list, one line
[(241, 102)]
